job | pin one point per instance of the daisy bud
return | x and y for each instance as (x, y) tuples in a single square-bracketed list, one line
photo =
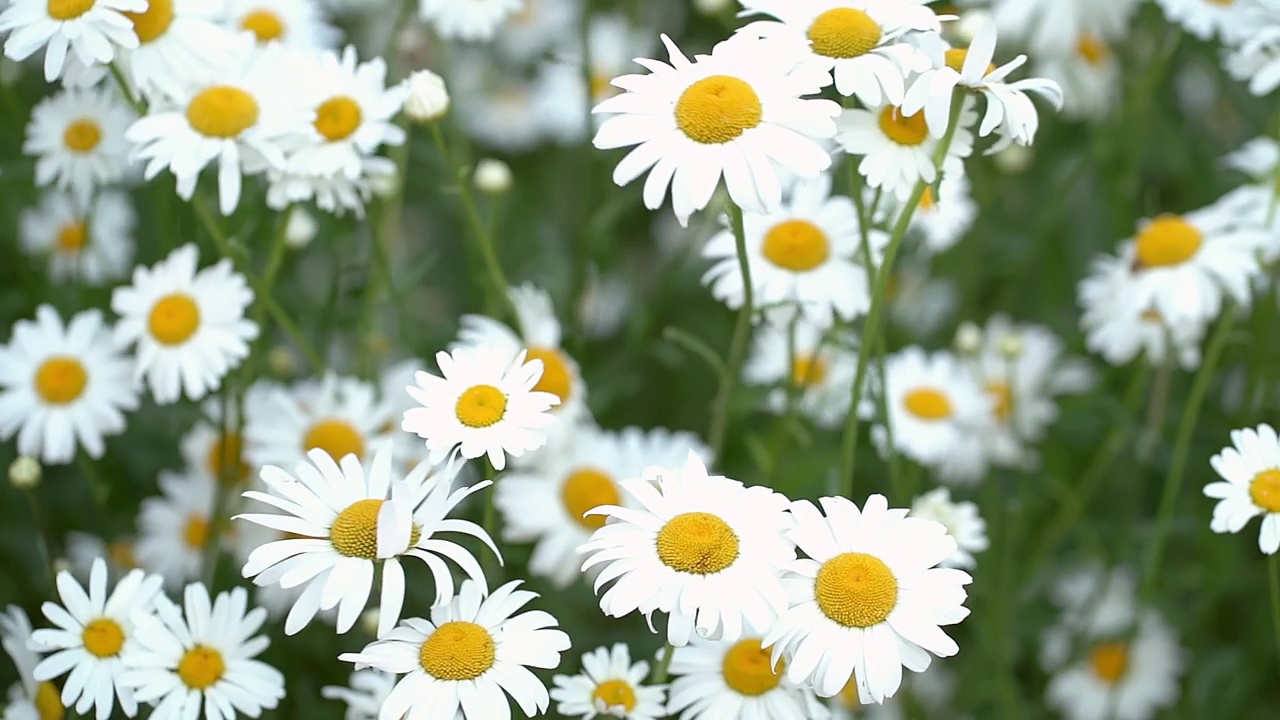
[(1011, 345), (281, 361), (61, 565), (492, 176), (428, 99), (1014, 159), (968, 338), (369, 621), (24, 473), (710, 7), (300, 229)]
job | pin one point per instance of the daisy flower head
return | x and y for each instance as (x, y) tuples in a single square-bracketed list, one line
[(1047, 27), (202, 654), (817, 364), (1206, 18), (737, 113), (535, 27), (897, 148), (28, 699), (92, 247), (1250, 485), (78, 139), (705, 549), (176, 39), (93, 30), (475, 21), (173, 527), (93, 632), (365, 694), (547, 502), (962, 521), (1089, 75), (609, 686), (805, 256), (1255, 53), (470, 657), (189, 326), (298, 24), (868, 599), (483, 403), (63, 386)]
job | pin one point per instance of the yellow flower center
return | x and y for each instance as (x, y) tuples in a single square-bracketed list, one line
[(955, 58), (72, 237), (1092, 49), (354, 532), (808, 370), (747, 669), (103, 638), (264, 24), (602, 86), (338, 438), (222, 111), (698, 543), (337, 118), (1109, 660), (614, 694), (49, 702), (174, 318), (152, 22), (928, 404), (201, 667), (68, 9), (927, 200), (556, 378), (907, 130), (717, 109), (120, 552), (196, 532), (796, 245), (457, 651), (1223, 3), (60, 380), (844, 33), (585, 489), (480, 406), (1166, 241), (227, 449), (856, 590), (1003, 395), (82, 135), (1264, 490)]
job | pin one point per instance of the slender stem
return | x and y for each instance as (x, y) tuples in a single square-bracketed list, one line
[(228, 477), (123, 84), (1156, 406), (664, 664), (97, 490), (1273, 571), (737, 346), (42, 534), (582, 252)]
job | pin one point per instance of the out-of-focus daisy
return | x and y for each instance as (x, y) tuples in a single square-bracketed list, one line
[(1256, 202), (189, 327), (470, 657), (483, 403), (1048, 27), (89, 247), (537, 26), (609, 686), (176, 39), (78, 139), (1255, 55), (816, 366), (202, 654), (495, 107), (898, 150), (470, 22), (939, 221), (1089, 76), (1119, 331), (297, 24), (547, 502), (614, 43), (962, 521), (868, 600), (83, 549), (409, 449), (216, 454), (705, 549), (1250, 485), (338, 415), (28, 699), (92, 633), (1205, 18), (94, 30), (367, 692), (735, 113), (63, 386), (805, 256), (174, 527), (919, 302)]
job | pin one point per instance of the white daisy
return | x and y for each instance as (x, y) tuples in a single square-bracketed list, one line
[(817, 366), (962, 521), (1048, 27), (547, 502), (1255, 202), (176, 40), (495, 107), (735, 113), (92, 247), (216, 454), (470, 657), (366, 695), (93, 633), (705, 549), (1089, 75), (470, 22), (1119, 330), (1205, 18), (609, 686), (1255, 54), (78, 139), (868, 600), (614, 43), (560, 101), (63, 386), (806, 255), (482, 403), (28, 699), (174, 527), (92, 29), (336, 193), (1250, 485), (299, 24), (202, 654), (898, 150), (537, 26), (189, 327)]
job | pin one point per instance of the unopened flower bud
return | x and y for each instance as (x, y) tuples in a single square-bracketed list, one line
[(62, 565), (1014, 159), (300, 229), (1011, 345), (24, 473), (428, 99), (968, 338), (492, 176), (369, 620), (281, 361)]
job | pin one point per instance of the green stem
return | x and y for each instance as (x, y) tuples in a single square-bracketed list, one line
[(123, 84), (229, 477), (97, 490), (664, 664), (42, 534), (738, 345), (1273, 572)]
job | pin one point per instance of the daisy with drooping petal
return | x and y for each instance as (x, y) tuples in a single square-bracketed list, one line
[(705, 549), (1250, 485), (482, 403), (202, 654), (89, 247), (473, 21), (962, 521), (298, 24), (609, 686), (818, 365), (78, 139), (1206, 18), (92, 633), (94, 30), (367, 692), (63, 386), (736, 113), (28, 699), (173, 528), (469, 658), (898, 150), (868, 600)]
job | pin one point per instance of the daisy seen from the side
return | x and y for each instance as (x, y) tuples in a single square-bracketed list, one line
[(897, 149), (609, 685), (818, 364), (93, 30), (93, 247), (78, 139)]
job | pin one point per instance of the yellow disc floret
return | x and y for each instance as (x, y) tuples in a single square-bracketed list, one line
[(82, 135), (796, 245), (1264, 490), (337, 118), (152, 22), (103, 637), (201, 667), (338, 438), (844, 33), (480, 406), (907, 130), (747, 669), (585, 489), (174, 318), (556, 376), (697, 542), (718, 109), (1167, 241), (60, 380), (856, 590), (222, 111), (457, 651), (928, 404)]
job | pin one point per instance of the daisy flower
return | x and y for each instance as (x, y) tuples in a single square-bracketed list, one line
[(805, 255), (537, 26), (1205, 18), (962, 521), (818, 366), (482, 403), (298, 24), (1253, 202), (1049, 27), (865, 46), (202, 654), (495, 107), (94, 30), (77, 138), (472, 655), (609, 686), (1250, 485), (211, 452), (868, 600), (93, 633), (366, 695), (1119, 331), (189, 327), (897, 148), (614, 43), (176, 40), (735, 113), (63, 386), (92, 247), (1255, 54), (560, 101), (242, 120), (28, 699), (173, 528), (546, 503), (940, 221), (705, 549), (1089, 75), (474, 21)]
